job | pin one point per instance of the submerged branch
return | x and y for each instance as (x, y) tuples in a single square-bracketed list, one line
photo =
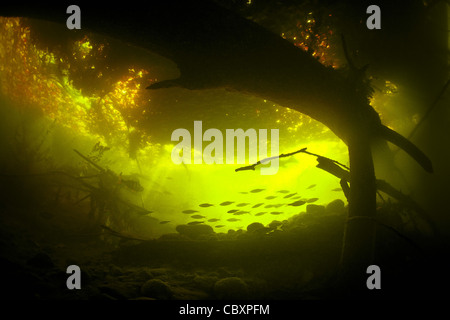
[(284, 155)]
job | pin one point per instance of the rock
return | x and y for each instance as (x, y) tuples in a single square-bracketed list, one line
[(204, 282), (111, 291), (171, 237), (195, 232), (115, 271), (255, 227), (275, 224), (41, 261), (335, 207), (156, 288), (181, 293), (120, 288), (315, 209), (231, 288), (142, 275)]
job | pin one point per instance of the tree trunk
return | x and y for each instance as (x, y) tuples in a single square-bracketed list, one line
[(359, 235)]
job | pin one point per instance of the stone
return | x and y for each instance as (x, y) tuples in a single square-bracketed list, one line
[(255, 227), (335, 207), (158, 289), (232, 288), (195, 232), (204, 282), (315, 209)]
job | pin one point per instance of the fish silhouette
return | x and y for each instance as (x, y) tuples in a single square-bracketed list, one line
[(193, 223), (189, 211), (257, 190), (242, 204), (312, 200), (205, 205), (213, 220), (311, 186), (164, 222), (238, 213), (257, 205), (233, 219), (297, 203), (197, 216), (290, 195), (283, 191), (276, 212), (270, 197), (260, 214), (226, 203), (232, 211)]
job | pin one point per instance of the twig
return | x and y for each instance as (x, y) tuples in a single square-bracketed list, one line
[(252, 166), (303, 150)]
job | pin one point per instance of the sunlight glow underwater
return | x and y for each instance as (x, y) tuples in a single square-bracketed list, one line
[(39, 79)]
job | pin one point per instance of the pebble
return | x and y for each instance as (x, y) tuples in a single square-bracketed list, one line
[(156, 288), (315, 209), (336, 207), (232, 288)]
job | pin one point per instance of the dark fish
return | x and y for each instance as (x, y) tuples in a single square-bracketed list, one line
[(283, 191), (197, 216), (297, 203), (226, 203), (257, 190), (337, 189), (311, 186), (189, 211), (297, 197), (232, 211), (233, 219), (312, 200), (278, 205), (270, 197), (257, 205), (164, 222), (213, 220), (205, 205), (242, 204), (244, 192), (290, 195), (240, 212), (276, 212), (220, 226), (260, 214), (193, 223), (268, 206)]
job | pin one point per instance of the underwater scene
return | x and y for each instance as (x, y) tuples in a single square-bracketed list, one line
[(225, 150)]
